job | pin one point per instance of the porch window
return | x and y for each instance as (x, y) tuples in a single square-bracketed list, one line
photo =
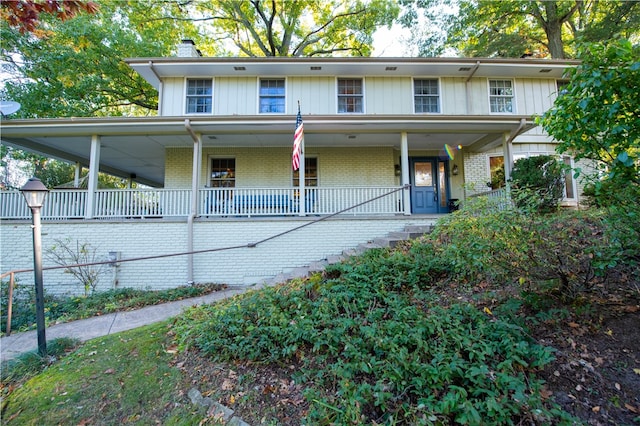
[(199, 96), (569, 182), (350, 95), (496, 170), (426, 96), (310, 173), (272, 93), (223, 173), (501, 96), (561, 87)]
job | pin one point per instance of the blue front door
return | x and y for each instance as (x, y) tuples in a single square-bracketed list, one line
[(429, 186)]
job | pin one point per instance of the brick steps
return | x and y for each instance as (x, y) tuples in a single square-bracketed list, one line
[(390, 240)]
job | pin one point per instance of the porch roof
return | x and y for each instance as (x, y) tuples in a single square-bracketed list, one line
[(135, 146)]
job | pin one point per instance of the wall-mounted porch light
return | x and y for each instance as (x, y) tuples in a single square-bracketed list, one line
[(455, 170), (396, 169)]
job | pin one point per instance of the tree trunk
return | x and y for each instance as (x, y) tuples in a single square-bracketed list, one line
[(553, 29)]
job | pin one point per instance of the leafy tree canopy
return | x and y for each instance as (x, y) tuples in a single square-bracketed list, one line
[(296, 28), (74, 67), (512, 28), (597, 117)]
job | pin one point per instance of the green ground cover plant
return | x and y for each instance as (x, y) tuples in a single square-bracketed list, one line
[(372, 349), (69, 308)]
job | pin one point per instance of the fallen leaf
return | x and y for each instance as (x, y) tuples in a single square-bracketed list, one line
[(609, 332), (637, 371), (579, 388), (109, 371), (596, 409), (487, 311), (617, 385), (631, 408), (573, 325)]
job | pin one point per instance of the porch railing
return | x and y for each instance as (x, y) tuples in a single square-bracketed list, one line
[(498, 199), (214, 202)]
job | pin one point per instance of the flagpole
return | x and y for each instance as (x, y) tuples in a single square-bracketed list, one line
[(301, 176)]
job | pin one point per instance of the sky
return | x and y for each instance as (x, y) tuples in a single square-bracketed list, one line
[(392, 42)]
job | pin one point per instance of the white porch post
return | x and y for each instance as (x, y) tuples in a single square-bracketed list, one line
[(507, 152), (76, 176), (404, 167), (94, 169), (195, 179), (302, 198)]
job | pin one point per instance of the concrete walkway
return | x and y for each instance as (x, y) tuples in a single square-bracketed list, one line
[(19, 343)]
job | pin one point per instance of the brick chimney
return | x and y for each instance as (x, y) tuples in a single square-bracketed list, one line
[(187, 49)]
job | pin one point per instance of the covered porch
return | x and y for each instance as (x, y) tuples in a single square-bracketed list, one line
[(371, 165)]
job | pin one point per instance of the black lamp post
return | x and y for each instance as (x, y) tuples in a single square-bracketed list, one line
[(35, 192)]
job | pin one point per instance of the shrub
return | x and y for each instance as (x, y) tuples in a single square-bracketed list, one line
[(537, 183), (572, 249)]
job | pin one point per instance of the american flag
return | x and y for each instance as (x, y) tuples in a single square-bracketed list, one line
[(298, 139)]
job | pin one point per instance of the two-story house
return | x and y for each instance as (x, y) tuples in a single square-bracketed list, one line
[(388, 142)]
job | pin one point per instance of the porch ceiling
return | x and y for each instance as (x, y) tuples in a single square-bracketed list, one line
[(136, 146)]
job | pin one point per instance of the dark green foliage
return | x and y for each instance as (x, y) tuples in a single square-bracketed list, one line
[(371, 347), (573, 249), (537, 183)]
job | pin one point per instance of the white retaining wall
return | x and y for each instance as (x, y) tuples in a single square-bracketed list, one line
[(143, 238)]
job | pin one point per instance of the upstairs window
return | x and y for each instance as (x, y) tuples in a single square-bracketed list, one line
[(272, 96), (350, 95), (501, 96), (426, 96), (223, 173), (199, 96)]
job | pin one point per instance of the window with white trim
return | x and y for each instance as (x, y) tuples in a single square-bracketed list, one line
[(350, 95), (272, 92), (426, 96), (223, 173), (310, 173), (199, 96), (561, 87), (501, 96)]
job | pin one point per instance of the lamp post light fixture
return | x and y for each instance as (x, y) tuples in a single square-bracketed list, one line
[(35, 192)]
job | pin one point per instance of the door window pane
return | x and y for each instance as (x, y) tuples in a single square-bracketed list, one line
[(423, 174)]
